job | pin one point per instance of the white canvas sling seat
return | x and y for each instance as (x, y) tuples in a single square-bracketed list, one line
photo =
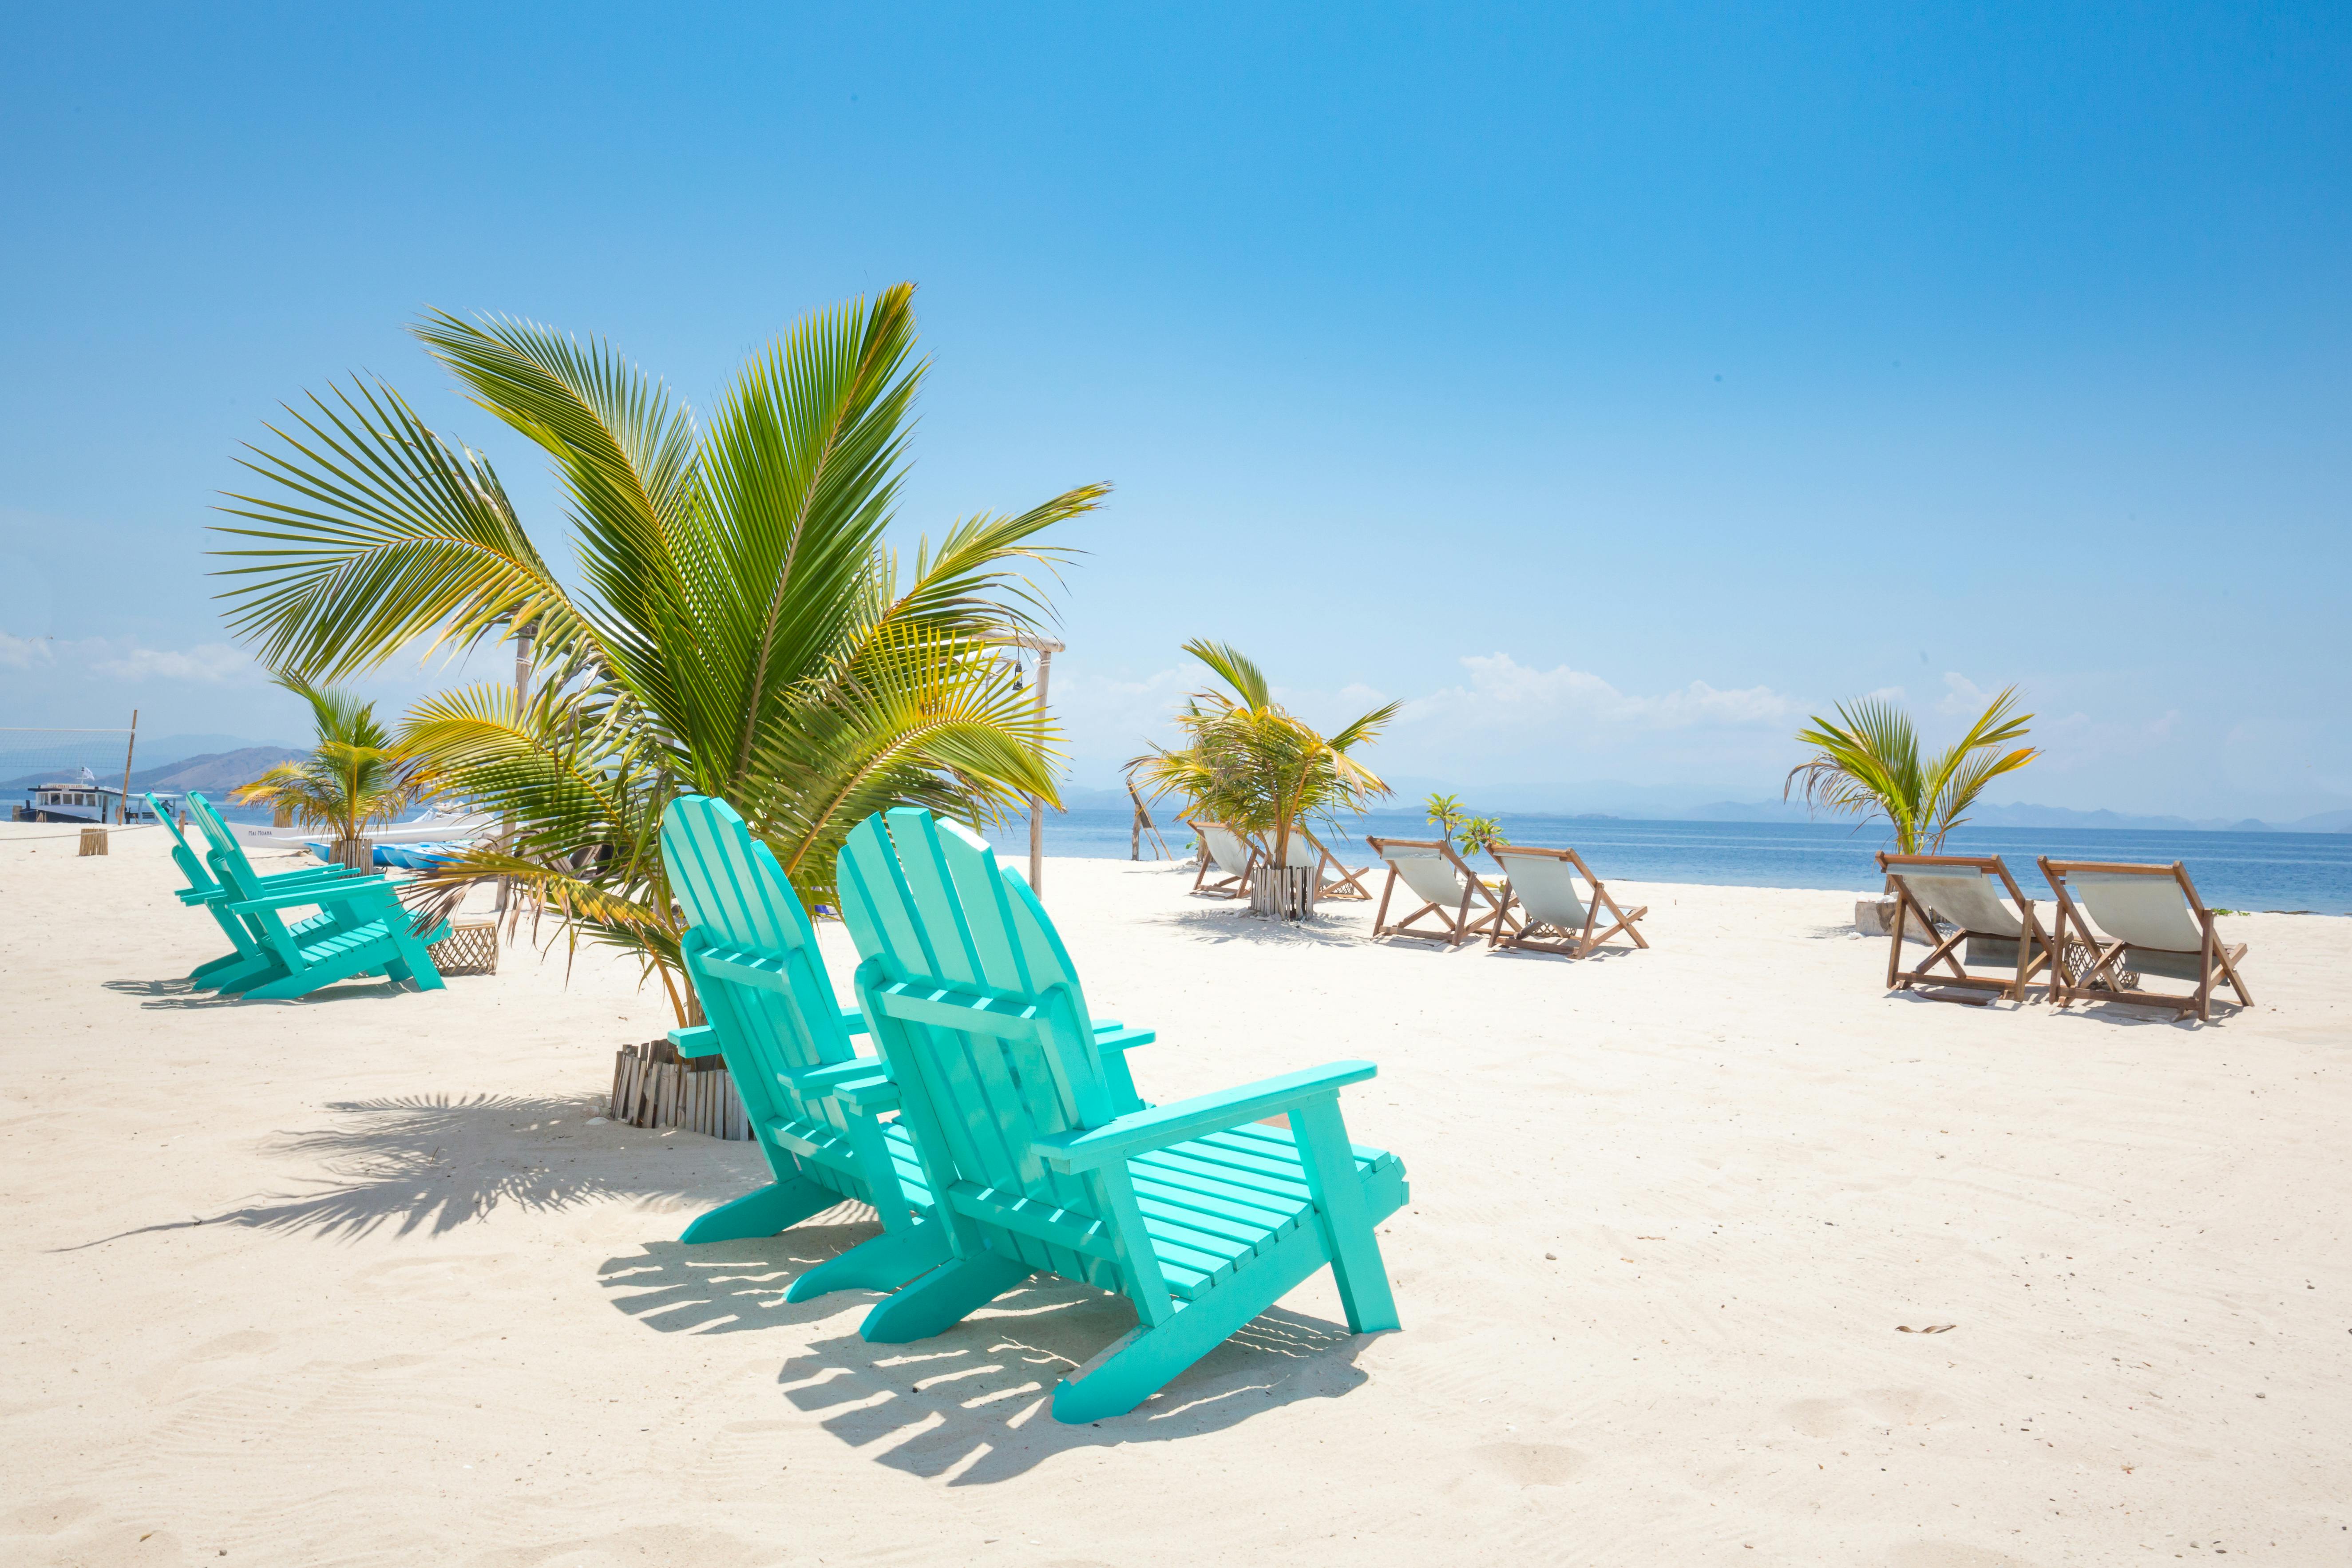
[(1543, 909), (2146, 919), (1332, 879), (1448, 889), (1230, 855), (1994, 923)]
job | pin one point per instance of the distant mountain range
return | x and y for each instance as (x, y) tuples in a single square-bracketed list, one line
[(215, 773)]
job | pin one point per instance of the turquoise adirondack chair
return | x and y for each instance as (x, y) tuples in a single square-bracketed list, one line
[(1040, 1156), (817, 1106), (246, 959), (362, 927)]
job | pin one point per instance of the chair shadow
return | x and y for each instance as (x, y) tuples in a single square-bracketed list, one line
[(2126, 1014), (180, 995), (432, 1163), (969, 1406)]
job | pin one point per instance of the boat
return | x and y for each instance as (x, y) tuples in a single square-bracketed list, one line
[(86, 802), (417, 845)]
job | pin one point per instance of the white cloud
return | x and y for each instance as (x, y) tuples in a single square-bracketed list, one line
[(1963, 698), (1504, 692), (212, 663), (26, 653)]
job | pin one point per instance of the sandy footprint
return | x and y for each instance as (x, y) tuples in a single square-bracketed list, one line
[(1529, 1464), (1820, 1417)]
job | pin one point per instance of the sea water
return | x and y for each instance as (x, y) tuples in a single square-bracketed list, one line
[(2309, 872), (2296, 871)]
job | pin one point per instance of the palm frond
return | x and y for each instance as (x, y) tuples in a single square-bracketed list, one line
[(376, 534)]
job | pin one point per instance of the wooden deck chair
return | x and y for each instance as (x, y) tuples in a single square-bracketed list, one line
[(2153, 922), (246, 960), (1966, 891), (1231, 856), (1332, 877), (816, 1106), (1447, 888), (1045, 1158), (1552, 916), (362, 927)]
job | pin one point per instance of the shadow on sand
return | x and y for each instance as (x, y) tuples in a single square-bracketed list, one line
[(432, 1163), (967, 1405), (181, 996)]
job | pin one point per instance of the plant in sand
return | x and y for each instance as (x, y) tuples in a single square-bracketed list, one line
[(1480, 833), (1476, 833), (1867, 763), (737, 627), (355, 776), (1253, 766)]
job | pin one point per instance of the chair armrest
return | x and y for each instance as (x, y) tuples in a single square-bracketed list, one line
[(1139, 1131), (283, 882), (853, 1020), (700, 1040), (828, 1079), (1110, 1037), (358, 891), (862, 1083)]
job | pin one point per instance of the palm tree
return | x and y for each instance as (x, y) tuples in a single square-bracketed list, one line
[(355, 776), (1866, 762), (1253, 766), (738, 627)]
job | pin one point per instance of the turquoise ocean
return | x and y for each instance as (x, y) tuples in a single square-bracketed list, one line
[(2307, 872)]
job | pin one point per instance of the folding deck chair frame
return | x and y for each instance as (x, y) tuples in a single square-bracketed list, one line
[(1231, 884), (2213, 960), (2029, 950), (1332, 877), (1459, 927), (1580, 943)]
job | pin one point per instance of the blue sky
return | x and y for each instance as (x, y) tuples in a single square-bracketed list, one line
[(1612, 384)]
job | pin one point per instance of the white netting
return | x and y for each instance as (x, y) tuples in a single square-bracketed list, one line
[(30, 759)]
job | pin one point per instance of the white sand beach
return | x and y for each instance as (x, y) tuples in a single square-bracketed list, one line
[(352, 1281)]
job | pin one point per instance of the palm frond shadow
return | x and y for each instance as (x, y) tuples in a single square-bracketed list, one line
[(969, 1405), (1229, 924), (178, 996), (432, 1163)]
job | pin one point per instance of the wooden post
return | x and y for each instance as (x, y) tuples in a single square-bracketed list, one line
[(126, 764), (522, 697), (1045, 648)]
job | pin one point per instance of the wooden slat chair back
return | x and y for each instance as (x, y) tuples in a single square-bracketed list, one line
[(2146, 919), (247, 961), (362, 927), (814, 1103), (1967, 892), (1544, 910), (1044, 1157), (1229, 855), (1447, 888)]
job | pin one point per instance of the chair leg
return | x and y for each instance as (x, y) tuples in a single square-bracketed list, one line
[(763, 1212), (882, 1262), (1326, 1160), (941, 1299), (1131, 1369)]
